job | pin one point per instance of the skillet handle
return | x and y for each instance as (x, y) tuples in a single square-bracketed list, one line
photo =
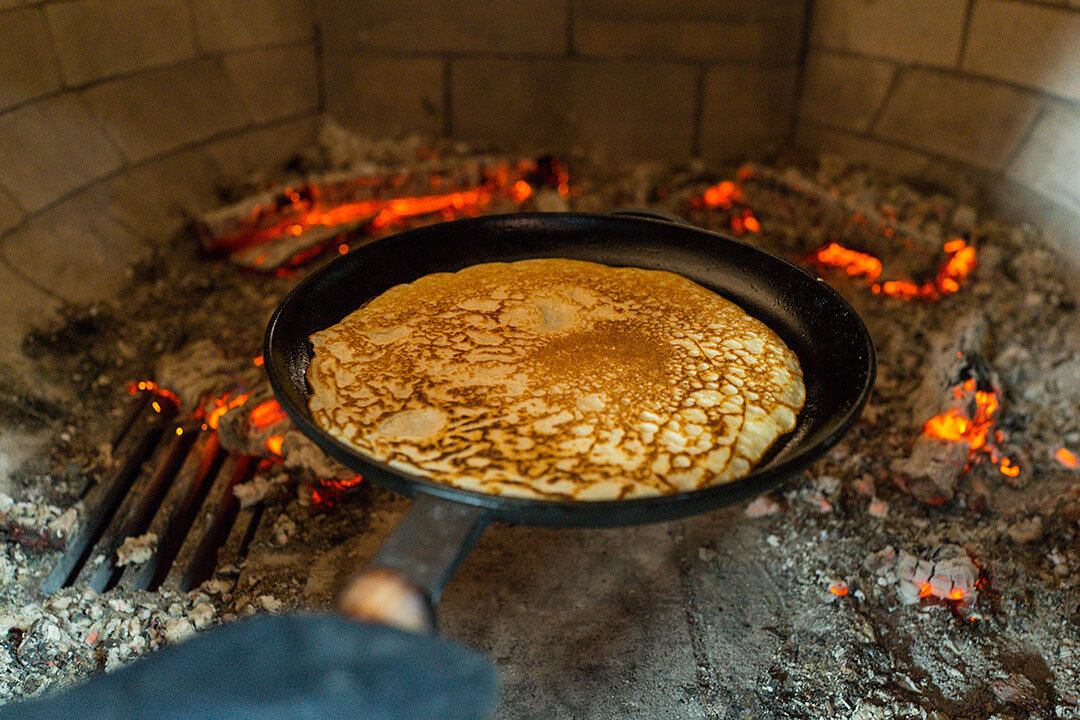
[(650, 214), (402, 583)]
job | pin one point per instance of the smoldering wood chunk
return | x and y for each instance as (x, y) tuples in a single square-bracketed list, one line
[(196, 371), (931, 471), (957, 354), (242, 430), (956, 370), (948, 573)]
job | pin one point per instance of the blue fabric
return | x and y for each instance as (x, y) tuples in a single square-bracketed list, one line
[(286, 667)]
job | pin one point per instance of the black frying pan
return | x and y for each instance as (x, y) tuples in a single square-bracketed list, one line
[(831, 342)]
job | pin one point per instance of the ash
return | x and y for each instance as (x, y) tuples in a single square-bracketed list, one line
[(865, 588)]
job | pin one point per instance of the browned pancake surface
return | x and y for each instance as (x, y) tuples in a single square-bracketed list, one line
[(556, 378)]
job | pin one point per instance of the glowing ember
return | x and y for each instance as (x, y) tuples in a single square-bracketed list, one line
[(296, 211), (274, 443), (153, 387), (955, 427), (330, 490), (839, 588), (721, 195), (222, 405), (1066, 458), (959, 262), (855, 264), (266, 414), (258, 362), (1008, 469)]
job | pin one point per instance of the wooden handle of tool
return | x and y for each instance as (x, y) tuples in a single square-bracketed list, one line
[(382, 596)]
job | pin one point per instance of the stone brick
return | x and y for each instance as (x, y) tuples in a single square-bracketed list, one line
[(844, 90), (926, 32), (275, 82), (261, 150), (170, 190), (10, 212), (164, 109), (621, 109), (49, 148), (505, 26), (222, 25), (747, 110), (27, 66), (74, 250), (1026, 44), (24, 306), (1049, 162), (748, 30), (99, 38), (385, 96), (984, 129), (875, 153)]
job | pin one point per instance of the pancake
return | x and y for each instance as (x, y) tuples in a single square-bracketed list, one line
[(557, 379)]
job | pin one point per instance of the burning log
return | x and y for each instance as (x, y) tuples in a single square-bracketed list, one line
[(289, 226), (956, 405)]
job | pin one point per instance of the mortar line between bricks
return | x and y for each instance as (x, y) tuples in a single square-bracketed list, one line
[(586, 58), (113, 174), (448, 97), (997, 176), (953, 72), (1025, 138), (570, 28), (965, 30), (17, 272), (699, 112), (800, 70), (75, 89), (890, 90), (320, 68)]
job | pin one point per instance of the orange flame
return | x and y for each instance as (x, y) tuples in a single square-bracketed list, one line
[(955, 427), (838, 589), (274, 443), (267, 413), (1066, 458), (952, 426), (960, 260)]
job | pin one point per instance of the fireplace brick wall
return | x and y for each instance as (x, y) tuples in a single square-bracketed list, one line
[(980, 91), (616, 77), (117, 118)]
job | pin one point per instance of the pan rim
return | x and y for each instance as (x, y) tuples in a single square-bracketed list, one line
[(575, 512)]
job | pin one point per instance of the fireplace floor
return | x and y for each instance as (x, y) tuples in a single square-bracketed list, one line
[(861, 589)]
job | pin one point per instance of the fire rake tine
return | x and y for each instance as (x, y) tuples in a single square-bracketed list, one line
[(100, 503), (135, 511), (243, 529), (135, 405), (174, 516), (217, 511)]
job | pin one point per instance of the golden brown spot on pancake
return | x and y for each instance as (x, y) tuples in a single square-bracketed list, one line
[(556, 378)]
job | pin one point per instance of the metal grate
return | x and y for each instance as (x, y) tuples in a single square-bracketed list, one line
[(173, 480)]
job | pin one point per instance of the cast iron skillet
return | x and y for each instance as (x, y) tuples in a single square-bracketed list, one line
[(831, 342)]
